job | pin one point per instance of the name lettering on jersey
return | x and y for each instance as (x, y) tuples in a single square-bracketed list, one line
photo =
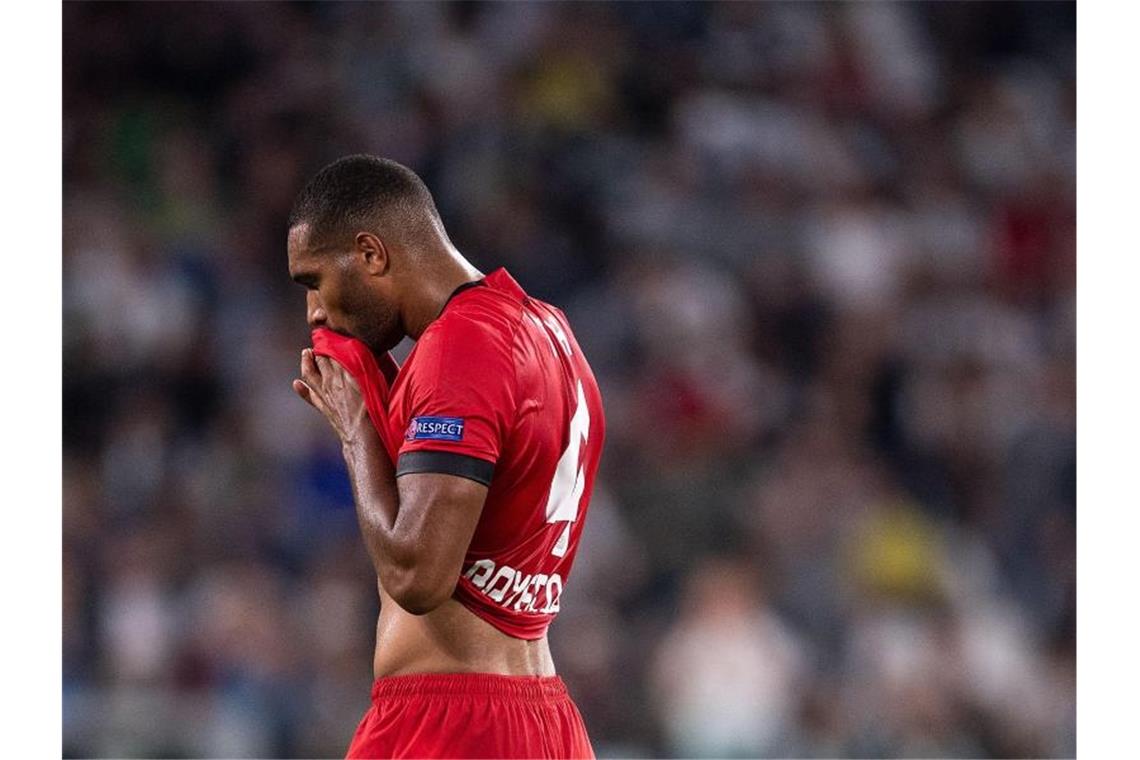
[(514, 589), (555, 328), (435, 429), (545, 334), (559, 333)]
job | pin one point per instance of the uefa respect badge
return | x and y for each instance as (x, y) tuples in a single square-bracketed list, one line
[(435, 429)]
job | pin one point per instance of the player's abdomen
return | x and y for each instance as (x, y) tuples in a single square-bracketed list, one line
[(450, 639)]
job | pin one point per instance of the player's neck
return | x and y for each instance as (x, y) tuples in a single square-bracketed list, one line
[(435, 287)]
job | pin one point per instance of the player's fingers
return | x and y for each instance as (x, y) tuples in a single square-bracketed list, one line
[(302, 389), (328, 378), (332, 373), (329, 367), (310, 372)]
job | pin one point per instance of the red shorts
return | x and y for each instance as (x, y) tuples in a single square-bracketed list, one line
[(470, 715)]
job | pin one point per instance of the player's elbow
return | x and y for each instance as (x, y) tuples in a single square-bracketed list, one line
[(419, 595)]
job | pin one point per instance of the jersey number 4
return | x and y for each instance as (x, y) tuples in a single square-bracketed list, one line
[(570, 476)]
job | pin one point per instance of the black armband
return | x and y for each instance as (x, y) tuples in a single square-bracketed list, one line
[(446, 463)]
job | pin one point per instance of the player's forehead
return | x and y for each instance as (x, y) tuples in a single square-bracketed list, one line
[(301, 253)]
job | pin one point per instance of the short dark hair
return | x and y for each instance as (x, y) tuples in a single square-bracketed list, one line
[(363, 192)]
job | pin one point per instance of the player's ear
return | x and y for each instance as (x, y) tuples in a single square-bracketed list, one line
[(373, 252)]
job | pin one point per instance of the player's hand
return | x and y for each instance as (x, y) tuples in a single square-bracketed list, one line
[(332, 391)]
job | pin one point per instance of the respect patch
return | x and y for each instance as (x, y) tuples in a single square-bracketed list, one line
[(435, 429)]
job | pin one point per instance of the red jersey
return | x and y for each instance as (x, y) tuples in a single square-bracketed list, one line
[(497, 390)]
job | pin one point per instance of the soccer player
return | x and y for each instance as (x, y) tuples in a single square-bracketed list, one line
[(472, 465)]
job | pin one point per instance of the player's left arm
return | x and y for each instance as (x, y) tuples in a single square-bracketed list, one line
[(417, 528)]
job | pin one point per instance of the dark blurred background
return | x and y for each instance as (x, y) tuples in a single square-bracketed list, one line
[(821, 257)]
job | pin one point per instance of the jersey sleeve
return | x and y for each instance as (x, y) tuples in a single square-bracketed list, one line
[(461, 400)]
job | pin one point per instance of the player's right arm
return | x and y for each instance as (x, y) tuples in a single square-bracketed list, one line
[(417, 528), (417, 532)]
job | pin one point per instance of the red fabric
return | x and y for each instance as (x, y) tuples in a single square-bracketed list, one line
[(370, 375), (508, 366), (470, 715)]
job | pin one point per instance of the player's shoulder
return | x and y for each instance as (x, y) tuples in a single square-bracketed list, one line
[(487, 311), (478, 324)]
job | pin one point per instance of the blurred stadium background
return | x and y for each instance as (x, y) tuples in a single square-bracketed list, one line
[(821, 257)]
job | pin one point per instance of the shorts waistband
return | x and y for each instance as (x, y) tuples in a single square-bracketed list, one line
[(470, 684)]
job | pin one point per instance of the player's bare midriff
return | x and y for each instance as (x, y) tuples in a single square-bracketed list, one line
[(451, 639)]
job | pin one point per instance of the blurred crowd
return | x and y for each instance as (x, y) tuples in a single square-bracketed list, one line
[(821, 257)]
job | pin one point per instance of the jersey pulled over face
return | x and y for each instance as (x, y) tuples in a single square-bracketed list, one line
[(497, 390)]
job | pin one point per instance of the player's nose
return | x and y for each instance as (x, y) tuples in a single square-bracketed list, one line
[(316, 314)]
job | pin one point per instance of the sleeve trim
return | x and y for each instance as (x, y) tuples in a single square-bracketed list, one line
[(447, 463)]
